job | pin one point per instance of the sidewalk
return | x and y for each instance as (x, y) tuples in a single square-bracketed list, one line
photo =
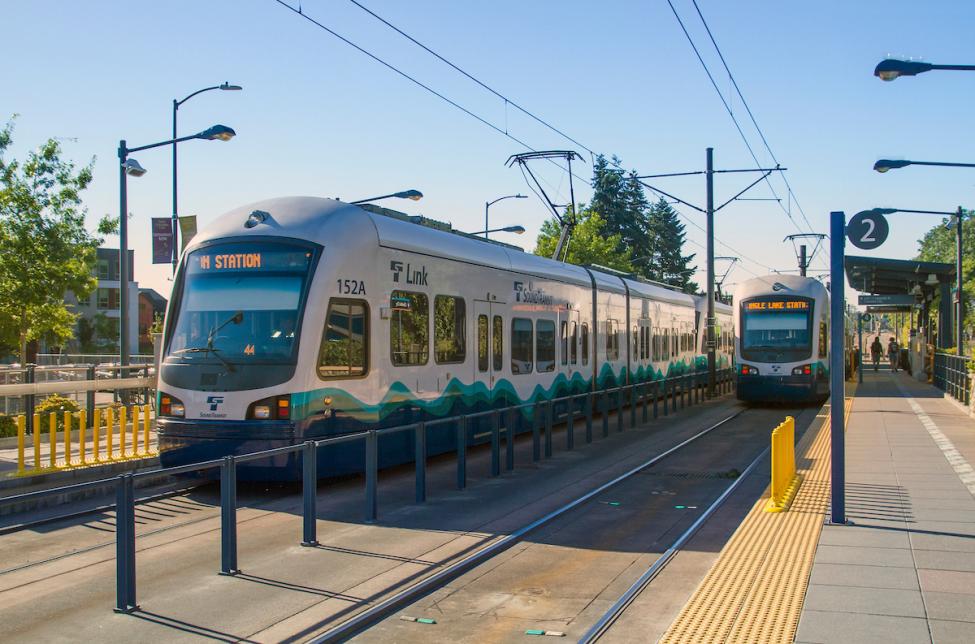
[(905, 570)]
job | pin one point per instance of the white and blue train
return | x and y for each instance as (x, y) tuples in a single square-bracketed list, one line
[(300, 318), (782, 348)]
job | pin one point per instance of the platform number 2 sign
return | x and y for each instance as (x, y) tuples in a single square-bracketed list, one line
[(867, 230)]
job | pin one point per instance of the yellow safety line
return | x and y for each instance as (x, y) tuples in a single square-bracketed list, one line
[(754, 591)]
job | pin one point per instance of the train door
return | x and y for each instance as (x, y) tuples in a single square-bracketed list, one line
[(489, 340), (569, 326)]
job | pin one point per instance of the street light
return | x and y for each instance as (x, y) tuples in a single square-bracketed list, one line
[(884, 165), (891, 68), (487, 206), (518, 230), (132, 167), (225, 87), (958, 215), (414, 195)]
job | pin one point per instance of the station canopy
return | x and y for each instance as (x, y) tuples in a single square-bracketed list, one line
[(882, 276)]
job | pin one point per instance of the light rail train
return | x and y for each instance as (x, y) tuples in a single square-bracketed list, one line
[(782, 349), (303, 317)]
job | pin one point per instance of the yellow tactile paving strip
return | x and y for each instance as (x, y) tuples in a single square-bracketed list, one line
[(754, 591)]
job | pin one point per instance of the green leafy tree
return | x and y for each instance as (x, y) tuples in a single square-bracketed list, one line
[(106, 333), (45, 249), (666, 262), (940, 245), (591, 243)]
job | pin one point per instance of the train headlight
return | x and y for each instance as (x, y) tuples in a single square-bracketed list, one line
[(272, 408), (262, 412), (748, 370), (802, 370), (171, 406), (178, 409)]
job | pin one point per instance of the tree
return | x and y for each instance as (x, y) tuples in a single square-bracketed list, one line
[(45, 249), (106, 333), (619, 199), (666, 235), (591, 243), (940, 245)]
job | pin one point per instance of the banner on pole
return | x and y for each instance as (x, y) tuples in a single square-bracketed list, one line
[(162, 240), (187, 230)]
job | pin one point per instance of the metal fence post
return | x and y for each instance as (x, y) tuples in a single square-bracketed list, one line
[(309, 492), (536, 432), (228, 517), (509, 440), (666, 398), (646, 394), (656, 397), (90, 396), (420, 456), (462, 452), (619, 409), (495, 443), (633, 398), (570, 430), (124, 544), (589, 404), (372, 473), (29, 400), (604, 407), (549, 419)]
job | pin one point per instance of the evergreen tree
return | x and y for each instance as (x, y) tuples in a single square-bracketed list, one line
[(666, 236), (619, 199)]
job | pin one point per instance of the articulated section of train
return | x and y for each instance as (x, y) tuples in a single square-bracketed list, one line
[(300, 318), (782, 349)]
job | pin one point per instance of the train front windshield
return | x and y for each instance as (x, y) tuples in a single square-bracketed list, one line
[(241, 304), (776, 330)]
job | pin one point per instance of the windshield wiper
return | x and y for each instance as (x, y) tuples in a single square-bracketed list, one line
[(236, 318)]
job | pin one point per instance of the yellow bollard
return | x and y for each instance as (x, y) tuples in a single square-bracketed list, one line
[(37, 441), (83, 434), (109, 431), (145, 428), (122, 426), (67, 438), (96, 428), (785, 481), (135, 430), (21, 435), (53, 435)]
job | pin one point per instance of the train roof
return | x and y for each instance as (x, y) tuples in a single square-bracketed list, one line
[(780, 285)]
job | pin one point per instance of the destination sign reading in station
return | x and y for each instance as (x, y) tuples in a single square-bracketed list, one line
[(778, 305), (225, 259)]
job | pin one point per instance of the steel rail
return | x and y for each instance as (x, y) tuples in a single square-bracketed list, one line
[(371, 616)]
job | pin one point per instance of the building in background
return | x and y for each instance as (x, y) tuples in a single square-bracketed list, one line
[(151, 305), (97, 328)]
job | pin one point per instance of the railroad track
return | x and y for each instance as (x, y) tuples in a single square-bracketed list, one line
[(362, 621)]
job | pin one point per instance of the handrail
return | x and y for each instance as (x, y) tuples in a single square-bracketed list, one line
[(66, 386)]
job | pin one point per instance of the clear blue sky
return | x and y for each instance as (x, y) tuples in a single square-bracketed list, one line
[(318, 118)]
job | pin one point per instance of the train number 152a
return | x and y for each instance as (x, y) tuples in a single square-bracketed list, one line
[(351, 287)]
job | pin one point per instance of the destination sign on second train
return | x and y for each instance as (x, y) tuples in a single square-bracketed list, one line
[(220, 260), (778, 305)]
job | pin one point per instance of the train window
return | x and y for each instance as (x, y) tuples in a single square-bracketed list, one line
[(574, 343), (564, 330), (449, 324), (409, 328), (545, 345), (612, 340), (521, 345), (823, 338), (585, 343), (497, 342), (482, 343), (674, 348), (345, 344), (635, 342), (655, 344)]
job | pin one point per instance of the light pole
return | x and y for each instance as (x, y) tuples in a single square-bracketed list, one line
[(518, 230), (129, 166), (959, 303), (487, 206), (892, 164), (892, 69), (226, 87), (414, 195)]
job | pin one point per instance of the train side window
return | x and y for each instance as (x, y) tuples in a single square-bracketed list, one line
[(655, 344), (612, 340), (409, 328), (636, 335), (545, 346), (564, 331), (824, 336), (521, 345), (449, 324), (574, 343), (345, 346), (482, 343), (585, 343), (497, 343)]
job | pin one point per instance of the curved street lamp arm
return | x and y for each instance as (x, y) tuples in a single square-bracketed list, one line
[(199, 91)]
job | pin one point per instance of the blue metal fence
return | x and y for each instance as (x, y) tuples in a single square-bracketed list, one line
[(951, 376)]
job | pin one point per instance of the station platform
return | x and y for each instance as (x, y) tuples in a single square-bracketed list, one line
[(902, 570)]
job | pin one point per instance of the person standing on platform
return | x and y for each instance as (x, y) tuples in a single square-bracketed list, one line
[(876, 349), (893, 352)]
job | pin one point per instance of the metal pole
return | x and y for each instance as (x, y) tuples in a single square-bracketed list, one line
[(309, 491), (487, 204), (462, 453), (124, 545), (959, 304), (372, 473), (709, 332), (802, 253), (123, 260), (860, 348), (175, 211), (836, 383), (228, 517)]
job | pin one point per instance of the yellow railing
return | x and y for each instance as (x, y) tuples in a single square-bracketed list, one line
[(133, 423), (785, 481)]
